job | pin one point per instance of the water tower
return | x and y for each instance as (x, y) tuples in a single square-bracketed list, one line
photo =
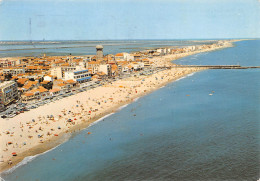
[(99, 49)]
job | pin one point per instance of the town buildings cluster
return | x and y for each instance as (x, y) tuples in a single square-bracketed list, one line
[(38, 78)]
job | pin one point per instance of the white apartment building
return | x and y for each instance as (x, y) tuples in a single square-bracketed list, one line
[(8, 93), (137, 65), (93, 66), (81, 76), (13, 71), (59, 72), (106, 68)]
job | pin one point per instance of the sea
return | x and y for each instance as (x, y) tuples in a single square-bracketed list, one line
[(204, 126), (63, 48)]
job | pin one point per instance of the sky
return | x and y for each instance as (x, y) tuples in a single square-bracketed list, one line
[(128, 19)]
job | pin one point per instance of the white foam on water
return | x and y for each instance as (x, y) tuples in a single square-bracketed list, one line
[(191, 74), (162, 87), (122, 107), (100, 119), (136, 99), (27, 160)]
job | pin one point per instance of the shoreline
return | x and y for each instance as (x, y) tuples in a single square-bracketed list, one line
[(54, 142), (65, 134)]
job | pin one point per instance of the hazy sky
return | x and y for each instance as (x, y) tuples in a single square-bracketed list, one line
[(128, 19)]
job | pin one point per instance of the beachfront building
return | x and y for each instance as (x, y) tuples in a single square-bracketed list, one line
[(39, 93), (55, 92), (137, 66), (80, 77), (8, 93), (59, 72), (99, 49)]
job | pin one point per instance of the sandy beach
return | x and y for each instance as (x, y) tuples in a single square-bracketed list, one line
[(45, 127)]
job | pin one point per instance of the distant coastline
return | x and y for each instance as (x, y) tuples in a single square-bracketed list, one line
[(62, 48)]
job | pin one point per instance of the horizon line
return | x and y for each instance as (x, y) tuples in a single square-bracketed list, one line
[(131, 39)]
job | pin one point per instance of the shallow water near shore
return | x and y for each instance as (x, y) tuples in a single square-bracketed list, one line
[(202, 127)]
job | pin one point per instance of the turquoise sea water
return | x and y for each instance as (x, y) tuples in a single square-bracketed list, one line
[(168, 135)]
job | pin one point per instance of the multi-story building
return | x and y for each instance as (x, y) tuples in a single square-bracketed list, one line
[(59, 72), (56, 72), (81, 76), (8, 93), (105, 68), (9, 63), (93, 66), (13, 71)]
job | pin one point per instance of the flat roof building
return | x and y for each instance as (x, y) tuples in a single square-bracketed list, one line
[(8, 93), (81, 76)]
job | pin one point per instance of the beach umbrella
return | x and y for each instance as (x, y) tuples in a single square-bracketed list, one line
[(14, 154)]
